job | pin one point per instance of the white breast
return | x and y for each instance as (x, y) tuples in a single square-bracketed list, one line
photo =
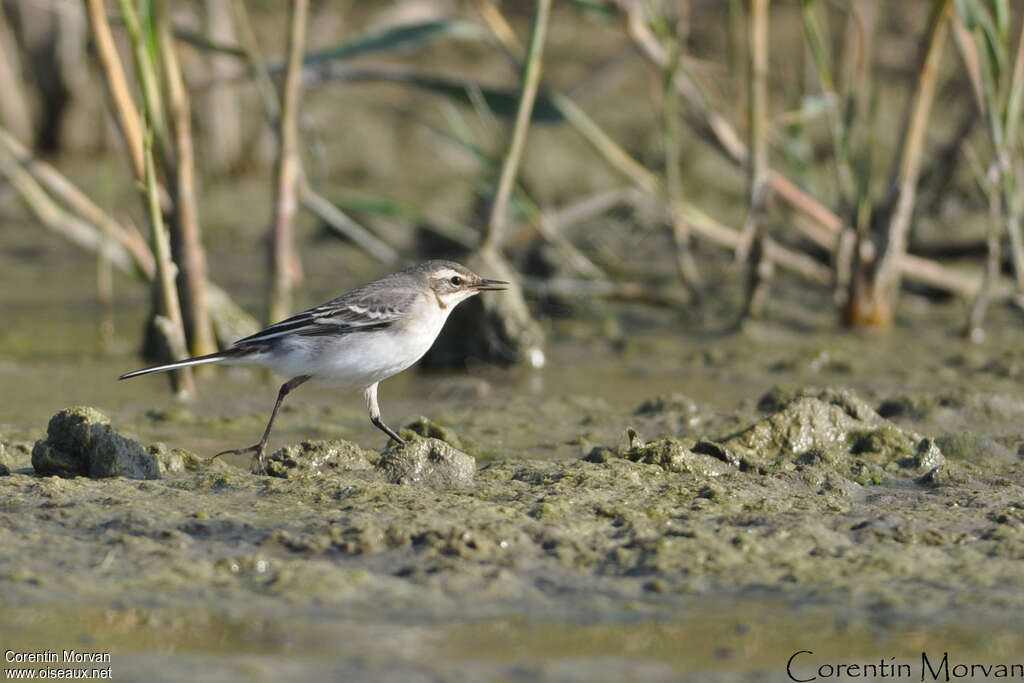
[(359, 359)]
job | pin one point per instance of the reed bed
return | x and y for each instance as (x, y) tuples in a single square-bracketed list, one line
[(823, 204)]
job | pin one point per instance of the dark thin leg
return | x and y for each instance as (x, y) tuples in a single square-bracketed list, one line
[(379, 424), (371, 404), (257, 466)]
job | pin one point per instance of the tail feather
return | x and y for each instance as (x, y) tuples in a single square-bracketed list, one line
[(200, 360)]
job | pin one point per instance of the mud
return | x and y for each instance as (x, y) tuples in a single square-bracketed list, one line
[(802, 507)]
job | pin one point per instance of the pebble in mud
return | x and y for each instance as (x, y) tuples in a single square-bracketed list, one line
[(430, 462)]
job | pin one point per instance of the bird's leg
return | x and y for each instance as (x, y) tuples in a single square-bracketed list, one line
[(371, 404), (257, 466)]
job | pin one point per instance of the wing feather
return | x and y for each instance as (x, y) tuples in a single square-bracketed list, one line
[(363, 309)]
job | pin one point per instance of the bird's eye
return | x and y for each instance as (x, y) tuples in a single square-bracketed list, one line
[(456, 280)]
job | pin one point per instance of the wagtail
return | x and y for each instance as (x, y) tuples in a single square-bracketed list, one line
[(357, 340)]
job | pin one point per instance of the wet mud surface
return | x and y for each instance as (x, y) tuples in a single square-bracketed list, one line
[(701, 510)]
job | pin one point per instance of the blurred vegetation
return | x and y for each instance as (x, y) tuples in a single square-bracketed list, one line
[(693, 155)]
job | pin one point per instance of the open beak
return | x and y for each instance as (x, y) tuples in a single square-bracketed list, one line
[(491, 285)]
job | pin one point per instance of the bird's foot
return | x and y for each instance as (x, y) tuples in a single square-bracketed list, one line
[(257, 466)]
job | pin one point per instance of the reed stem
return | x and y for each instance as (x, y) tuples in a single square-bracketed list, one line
[(527, 96), (188, 237), (285, 267), (169, 307), (751, 245), (884, 289)]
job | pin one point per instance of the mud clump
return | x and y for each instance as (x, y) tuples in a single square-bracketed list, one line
[(80, 442), (178, 460), (833, 432), (317, 458), (834, 429), (428, 462), (669, 454), (779, 398)]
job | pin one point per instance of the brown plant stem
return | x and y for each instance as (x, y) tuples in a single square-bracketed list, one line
[(884, 288), (56, 218), (1009, 167), (149, 84), (14, 108), (56, 184), (89, 227), (187, 238), (341, 223), (285, 268), (751, 246), (673, 182), (117, 85), (976, 314), (823, 226), (527, 96), (169, 307)]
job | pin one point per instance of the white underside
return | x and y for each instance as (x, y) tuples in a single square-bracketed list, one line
[(357, 359)]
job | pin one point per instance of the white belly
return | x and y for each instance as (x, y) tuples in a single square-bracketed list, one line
[(359, 359)]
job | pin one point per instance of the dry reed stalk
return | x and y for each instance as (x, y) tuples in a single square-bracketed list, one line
[(254, 58), (56, 184), (90, 228), (285, 268), (188, 238), (168, 320), (527, 96), (51, 215), (998, 94), (311, 200), (751, 245), (542, 221), (823, 227), (149, 84), (14, 108), (879, 307), (117, 85), (673, 181), (594, 205), (698, 221), (717, 127), (341, 223), (975, 330), (793, 261), (1009, 166)]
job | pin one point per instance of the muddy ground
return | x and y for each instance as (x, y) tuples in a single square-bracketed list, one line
[(642, 508)]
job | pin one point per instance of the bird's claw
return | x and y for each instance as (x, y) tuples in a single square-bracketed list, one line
[(256, 467)]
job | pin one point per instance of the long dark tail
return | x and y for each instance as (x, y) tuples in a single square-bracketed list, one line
[(201, 360)]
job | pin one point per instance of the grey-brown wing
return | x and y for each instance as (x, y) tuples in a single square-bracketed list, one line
[(361, 309)]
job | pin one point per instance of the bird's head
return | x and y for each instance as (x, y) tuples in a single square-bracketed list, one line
[(452, 282)]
